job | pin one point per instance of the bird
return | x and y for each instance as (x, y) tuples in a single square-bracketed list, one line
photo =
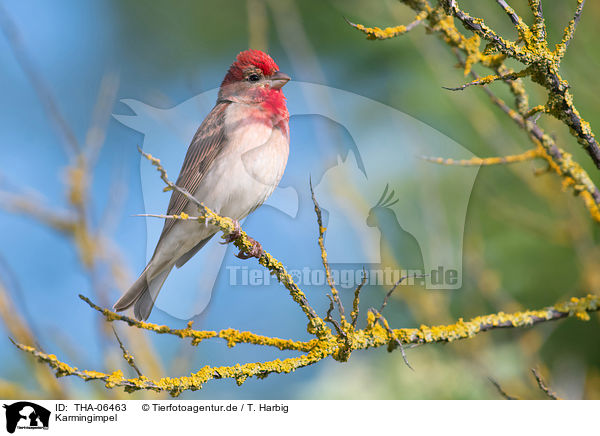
[(235, 161)]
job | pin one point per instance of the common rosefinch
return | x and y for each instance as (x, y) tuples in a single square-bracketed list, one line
[(236, 159)]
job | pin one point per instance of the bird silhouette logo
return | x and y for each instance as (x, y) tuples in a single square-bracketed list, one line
[(26, 415), (383, 203)]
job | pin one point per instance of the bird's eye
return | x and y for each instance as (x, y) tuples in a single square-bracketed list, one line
[(253, 78)]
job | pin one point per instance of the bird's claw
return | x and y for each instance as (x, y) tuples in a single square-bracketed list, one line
[(236, 233), (255, 251)]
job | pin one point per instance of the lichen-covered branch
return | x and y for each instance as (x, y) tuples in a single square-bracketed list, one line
[(373, 335), (540, 63), (389, 32), (18, 328), (517, 21), (543, 65), (356, 300), (338, 345), (558, 159), (569, 32), (227, 227), (176, 386), (334, 292), (233, 337), (492, 78), (487, 161)]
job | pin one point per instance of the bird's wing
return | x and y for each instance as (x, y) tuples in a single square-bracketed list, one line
[(205, 147)]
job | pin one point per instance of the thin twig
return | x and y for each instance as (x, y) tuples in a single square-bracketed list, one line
[(127, 355), (321, 241), (517, 21), (480, 28), (388, 32), (500, 390), (329, 318), (493, 78), (356, 300), (15, 41), (570, 29), (391, 291), (542, 385), (379, 317), (486, 161), (96, 133), (393, 338), (33, 207)]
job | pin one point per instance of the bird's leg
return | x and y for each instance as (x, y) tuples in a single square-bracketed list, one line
[(236, 233), (255, 251)]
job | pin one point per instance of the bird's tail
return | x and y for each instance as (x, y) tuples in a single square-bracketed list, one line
[(142, 294)]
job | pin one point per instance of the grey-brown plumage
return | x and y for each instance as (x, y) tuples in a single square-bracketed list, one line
[(203, 150), (234, 162)]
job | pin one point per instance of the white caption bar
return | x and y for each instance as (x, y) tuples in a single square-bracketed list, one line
[(164, 417)]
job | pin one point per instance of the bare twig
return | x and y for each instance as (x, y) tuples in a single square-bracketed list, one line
[(500, 390), (127, 355), (542, 385), (96, 133), (390, 292), (393, 338)]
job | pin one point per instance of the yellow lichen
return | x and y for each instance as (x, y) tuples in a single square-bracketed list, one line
[(541, 65), (336, 346)]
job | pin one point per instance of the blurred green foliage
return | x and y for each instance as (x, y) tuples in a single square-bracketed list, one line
[(527, 244)]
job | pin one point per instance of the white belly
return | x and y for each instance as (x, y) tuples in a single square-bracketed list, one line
[(248, 169), (240, 179)]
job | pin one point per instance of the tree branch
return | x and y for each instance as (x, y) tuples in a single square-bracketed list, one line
[(374, 335)]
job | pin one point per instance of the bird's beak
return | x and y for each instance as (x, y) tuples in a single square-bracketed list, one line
[(278, 79)]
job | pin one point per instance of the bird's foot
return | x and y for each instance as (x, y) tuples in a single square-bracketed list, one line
[(236, 233), (255, 251)]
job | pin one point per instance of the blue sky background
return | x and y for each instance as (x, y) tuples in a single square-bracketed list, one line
[(166, 54)]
